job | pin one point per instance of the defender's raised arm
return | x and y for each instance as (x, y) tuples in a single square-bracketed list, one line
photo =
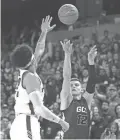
[(45, 28)]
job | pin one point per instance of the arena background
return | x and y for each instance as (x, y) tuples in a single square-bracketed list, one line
[(20, 23)]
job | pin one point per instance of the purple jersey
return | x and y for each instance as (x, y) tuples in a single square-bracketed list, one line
[(78, 116)]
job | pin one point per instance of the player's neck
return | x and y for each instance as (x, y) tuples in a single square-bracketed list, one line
[(77, 97)]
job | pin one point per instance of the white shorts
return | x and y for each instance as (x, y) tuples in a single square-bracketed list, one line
[(25, 127)]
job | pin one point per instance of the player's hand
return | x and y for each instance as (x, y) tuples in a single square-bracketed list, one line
[(92, 55), (45, 26), (64, 125), (67, 46)]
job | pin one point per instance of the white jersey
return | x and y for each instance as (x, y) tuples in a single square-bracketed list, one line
[(22, 97)]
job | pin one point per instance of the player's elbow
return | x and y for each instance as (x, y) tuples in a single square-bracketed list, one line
[(39, 111), (90, 89), (90, 86)]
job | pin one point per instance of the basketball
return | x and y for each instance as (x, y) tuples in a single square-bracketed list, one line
[(68, 14)]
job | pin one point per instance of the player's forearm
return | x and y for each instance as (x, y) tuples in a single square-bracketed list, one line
[(47, 114), (42, 38), (40, 47), (67, 66), (49, 53), (32, 39), (40, 109), (91, 80)]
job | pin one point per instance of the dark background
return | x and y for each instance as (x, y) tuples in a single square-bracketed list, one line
[(25, 12)]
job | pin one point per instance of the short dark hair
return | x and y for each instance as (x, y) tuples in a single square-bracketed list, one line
[(75, 79), (105, 102), (21, 56)]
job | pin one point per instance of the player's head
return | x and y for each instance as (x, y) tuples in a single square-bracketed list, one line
[(76, 87), (22, 56)]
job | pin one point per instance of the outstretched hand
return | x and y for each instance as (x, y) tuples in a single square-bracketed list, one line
[(45, 26), (67, 46), (92, 54)]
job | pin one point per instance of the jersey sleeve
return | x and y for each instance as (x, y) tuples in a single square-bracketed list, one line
[(91, 80)]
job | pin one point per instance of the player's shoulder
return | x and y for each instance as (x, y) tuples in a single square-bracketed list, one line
[(29, 77)]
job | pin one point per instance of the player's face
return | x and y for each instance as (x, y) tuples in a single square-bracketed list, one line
[(76, 88)]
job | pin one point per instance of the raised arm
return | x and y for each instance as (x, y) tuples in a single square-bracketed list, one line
[(92, 77), (65, 94), (32, 85), (49, 53), (45, 28)]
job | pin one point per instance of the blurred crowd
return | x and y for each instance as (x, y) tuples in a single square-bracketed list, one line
[(105, 108)]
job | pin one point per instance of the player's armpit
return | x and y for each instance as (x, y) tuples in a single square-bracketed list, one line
[(31, 83), (65, 103), (65, 95), (65, 92)]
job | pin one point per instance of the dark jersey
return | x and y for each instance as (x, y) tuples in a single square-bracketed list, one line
[(78, 116)]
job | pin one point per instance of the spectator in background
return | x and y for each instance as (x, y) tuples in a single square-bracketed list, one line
[(105, 113), (56, 109), (116, 48), (58, 81), (3, 98), (97, 127), (110, 133), (51, 91), (2, 87), (7, 67), (84, 78), (48, 133), (11, 102), (102, 75), (105, 108), (5, 110), (3, 135), (5, 126), (95, 110), (114, 77), (11, 116), (117, 120), (82, 41), (112, 94), (106, 38), (8, 89)]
